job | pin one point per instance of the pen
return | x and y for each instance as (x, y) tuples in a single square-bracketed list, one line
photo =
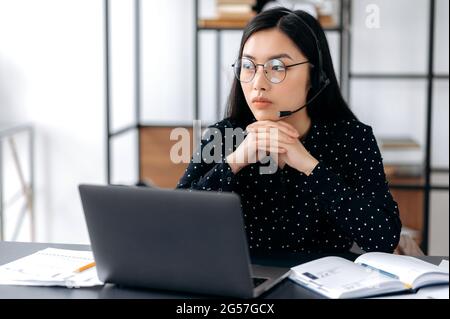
[(405, 284), (381, 271), (90, 265)]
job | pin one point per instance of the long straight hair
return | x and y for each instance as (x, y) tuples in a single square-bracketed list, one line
[(329, 104)]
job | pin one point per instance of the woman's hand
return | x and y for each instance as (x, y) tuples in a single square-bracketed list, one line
[(256, 146), (295, 154)]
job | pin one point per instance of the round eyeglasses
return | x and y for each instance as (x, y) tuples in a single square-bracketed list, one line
[(274, 70)]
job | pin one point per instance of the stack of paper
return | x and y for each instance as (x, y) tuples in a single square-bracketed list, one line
[(52, 267)]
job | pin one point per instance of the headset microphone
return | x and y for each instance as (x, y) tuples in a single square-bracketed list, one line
[(287, 113)]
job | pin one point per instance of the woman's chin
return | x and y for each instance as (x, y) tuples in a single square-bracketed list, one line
[(266, 116)]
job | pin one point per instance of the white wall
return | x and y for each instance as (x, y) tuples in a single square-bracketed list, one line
[(52, 75), (121, 64), (167, 61), (122, 76)]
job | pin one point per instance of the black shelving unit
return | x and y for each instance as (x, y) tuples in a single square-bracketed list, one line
[(427, 187), (345, 77)]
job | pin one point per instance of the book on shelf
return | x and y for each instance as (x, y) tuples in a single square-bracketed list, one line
[(235, 11), (247, 2), (402, 152), (371, 274)]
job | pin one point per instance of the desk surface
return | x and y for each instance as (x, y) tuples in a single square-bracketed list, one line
[(10, 251)]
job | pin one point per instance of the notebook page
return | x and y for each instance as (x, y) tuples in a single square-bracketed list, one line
[(433, 292), (407, 268), (336, 277), (50, 266)]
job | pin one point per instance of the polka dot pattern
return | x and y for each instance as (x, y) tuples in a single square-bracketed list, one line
[(345, 199)]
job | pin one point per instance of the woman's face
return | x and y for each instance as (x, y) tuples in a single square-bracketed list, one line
[(289, 94)]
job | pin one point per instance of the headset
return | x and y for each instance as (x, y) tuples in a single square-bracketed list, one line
[(323, 80)]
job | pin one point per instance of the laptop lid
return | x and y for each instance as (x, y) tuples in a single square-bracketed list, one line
[(168, 239)]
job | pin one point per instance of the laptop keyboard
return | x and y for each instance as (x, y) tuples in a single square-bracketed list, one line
[(258, 281)]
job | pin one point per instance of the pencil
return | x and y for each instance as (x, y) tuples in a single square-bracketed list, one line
[(90, 265)]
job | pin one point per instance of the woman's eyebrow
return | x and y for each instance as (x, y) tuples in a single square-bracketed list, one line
[(276, 56)]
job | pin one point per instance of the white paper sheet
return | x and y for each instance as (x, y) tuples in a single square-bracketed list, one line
[(51, 267), (444, 265)]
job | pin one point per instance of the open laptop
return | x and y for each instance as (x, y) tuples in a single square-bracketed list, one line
[(180, 240)]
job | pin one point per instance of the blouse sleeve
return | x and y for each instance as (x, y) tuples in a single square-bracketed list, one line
[(204, 174), (359, 202)]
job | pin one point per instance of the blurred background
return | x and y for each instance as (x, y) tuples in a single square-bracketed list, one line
[(90, 90)]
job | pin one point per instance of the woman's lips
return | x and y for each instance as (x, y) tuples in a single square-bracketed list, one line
[(261, 104), (261, 101)]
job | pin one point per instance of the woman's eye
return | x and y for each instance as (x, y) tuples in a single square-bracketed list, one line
[(247, 66), (277, 68)]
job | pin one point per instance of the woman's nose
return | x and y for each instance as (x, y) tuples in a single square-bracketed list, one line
[(260, 81)]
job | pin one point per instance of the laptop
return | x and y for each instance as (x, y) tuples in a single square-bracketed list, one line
[(191, 241)]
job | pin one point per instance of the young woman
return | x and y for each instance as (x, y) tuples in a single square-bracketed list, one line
[(330, 189)]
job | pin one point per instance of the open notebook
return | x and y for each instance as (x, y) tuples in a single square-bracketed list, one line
[(369, 275), (52, 267)]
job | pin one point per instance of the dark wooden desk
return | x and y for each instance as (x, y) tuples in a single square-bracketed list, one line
[(10, 251)]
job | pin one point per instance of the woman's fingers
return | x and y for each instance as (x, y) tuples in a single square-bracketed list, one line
[(287, 126), (270, 149), (269, 140), (256, 143), (271, 144), (280, 137), (282, 126), (269, 127)]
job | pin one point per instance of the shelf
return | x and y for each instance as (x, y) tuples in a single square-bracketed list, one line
[(403, 170), (222, 23), (441, 76), (327, 23), (398, 143), (396, 76)]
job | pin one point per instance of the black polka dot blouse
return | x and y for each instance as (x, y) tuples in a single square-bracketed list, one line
[(345, 199)]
